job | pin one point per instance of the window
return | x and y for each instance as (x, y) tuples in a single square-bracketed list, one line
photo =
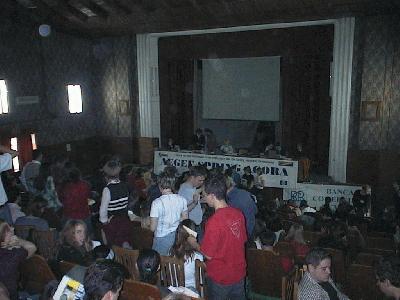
[(33, 139), (14, 146), (74, 98), (3, 97)]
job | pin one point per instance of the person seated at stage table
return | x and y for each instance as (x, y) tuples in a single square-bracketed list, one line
[(198, 140), (227, 148), (317, 282), (362, 200), (326, 210), (210, 141)]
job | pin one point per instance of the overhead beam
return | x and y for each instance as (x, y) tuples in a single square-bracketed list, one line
[(118, 7), (95, 8)]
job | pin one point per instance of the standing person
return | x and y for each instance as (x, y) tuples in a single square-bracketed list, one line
[(117, 227), (223, 244), (165, 214), (13, 251), (198, 139), (5, 164), (243, 201), (74, 195), (317, 282), (362, 200), (31, 171), (188, 190)]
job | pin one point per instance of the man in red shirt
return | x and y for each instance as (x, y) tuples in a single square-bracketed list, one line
[(223, 244)]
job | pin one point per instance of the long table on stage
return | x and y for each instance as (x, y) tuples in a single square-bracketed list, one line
[(280, 173)]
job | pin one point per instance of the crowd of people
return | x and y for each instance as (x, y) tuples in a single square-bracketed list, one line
[(206, 215)]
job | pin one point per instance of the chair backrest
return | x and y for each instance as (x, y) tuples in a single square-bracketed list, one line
[(378, 251), (338, 265), (200, 275), (172, 271), (64, 267), (265, 272), (128, 259), (311, 237), (380, 242), (46, 243), (285, 249), (142, 238), (24, 231), (290, 285), (361, 283), (136, 290), (35, 274), (367, 259)]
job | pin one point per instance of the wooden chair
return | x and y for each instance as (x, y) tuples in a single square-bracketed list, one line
[(378, 251), (136, 290), (200, 275), (379, 242), (35, 274), (361, 283), (142, 238), (24, 231), (265, 273), (311, 237), (65, 266), (285, 249), (338, 265), (128, 259), (290, 285), (46, 242), (367, 259), (172, 271)]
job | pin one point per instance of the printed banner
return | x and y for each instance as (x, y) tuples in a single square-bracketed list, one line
[(279, 173), (315, 194)]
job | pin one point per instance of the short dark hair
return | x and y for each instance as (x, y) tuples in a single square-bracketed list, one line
[(267, 238), (36, 153), (166, 181), (316, 255), (101, 277), (197, 171), (216, 185), (389, 268), (148, 263)]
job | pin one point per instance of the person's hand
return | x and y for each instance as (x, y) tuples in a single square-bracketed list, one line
[(193, 242)]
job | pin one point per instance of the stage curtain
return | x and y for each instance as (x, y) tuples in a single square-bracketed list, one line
[(176, 101), (24, 149)]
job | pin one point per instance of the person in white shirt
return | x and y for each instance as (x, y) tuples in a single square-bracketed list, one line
[(188, 190), (5, 164), (182, 249), (166, 213), (31, 171)]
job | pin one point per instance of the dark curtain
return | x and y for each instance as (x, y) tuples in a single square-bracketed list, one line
[(24, 149), (176, 101)]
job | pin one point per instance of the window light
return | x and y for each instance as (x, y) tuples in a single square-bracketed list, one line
[(33, 139), (14, 146), (3, 97), (74, 98)]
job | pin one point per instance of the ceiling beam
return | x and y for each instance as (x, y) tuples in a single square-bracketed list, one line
[(95, 8), (118, 7)]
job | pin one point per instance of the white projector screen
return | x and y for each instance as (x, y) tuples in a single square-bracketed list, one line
[(241, 88)]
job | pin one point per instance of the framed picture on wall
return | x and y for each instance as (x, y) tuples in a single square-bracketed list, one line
[(370, 110), (123, 107)]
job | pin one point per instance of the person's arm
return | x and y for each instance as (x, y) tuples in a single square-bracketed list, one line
[(192, 205), (153, 223), (105, 200), (4, 149), (17, 242)]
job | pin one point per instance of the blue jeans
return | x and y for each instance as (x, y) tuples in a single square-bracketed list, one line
[(163, 244), (218, 291)]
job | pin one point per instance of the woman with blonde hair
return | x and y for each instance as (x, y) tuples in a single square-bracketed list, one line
[(295, 237), (76, 245), (13, 251)]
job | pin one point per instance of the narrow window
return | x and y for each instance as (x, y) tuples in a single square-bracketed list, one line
[(14, 146), (3, 97), (74, 98), (33, 139)]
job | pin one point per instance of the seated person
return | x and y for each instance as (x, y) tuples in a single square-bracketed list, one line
[(13, 251), (387, 272), (33, 213), (326, 210), (295, 237), (182, 249), (227, 148), (344, 209), (266, 241), (198, 140), (247, 179), (148, 265), (317, 282), (332, 237), (103, 281), (76, 245)]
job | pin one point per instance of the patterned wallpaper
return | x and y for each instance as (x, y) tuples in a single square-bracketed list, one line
[(380, 81), (35, 66)]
